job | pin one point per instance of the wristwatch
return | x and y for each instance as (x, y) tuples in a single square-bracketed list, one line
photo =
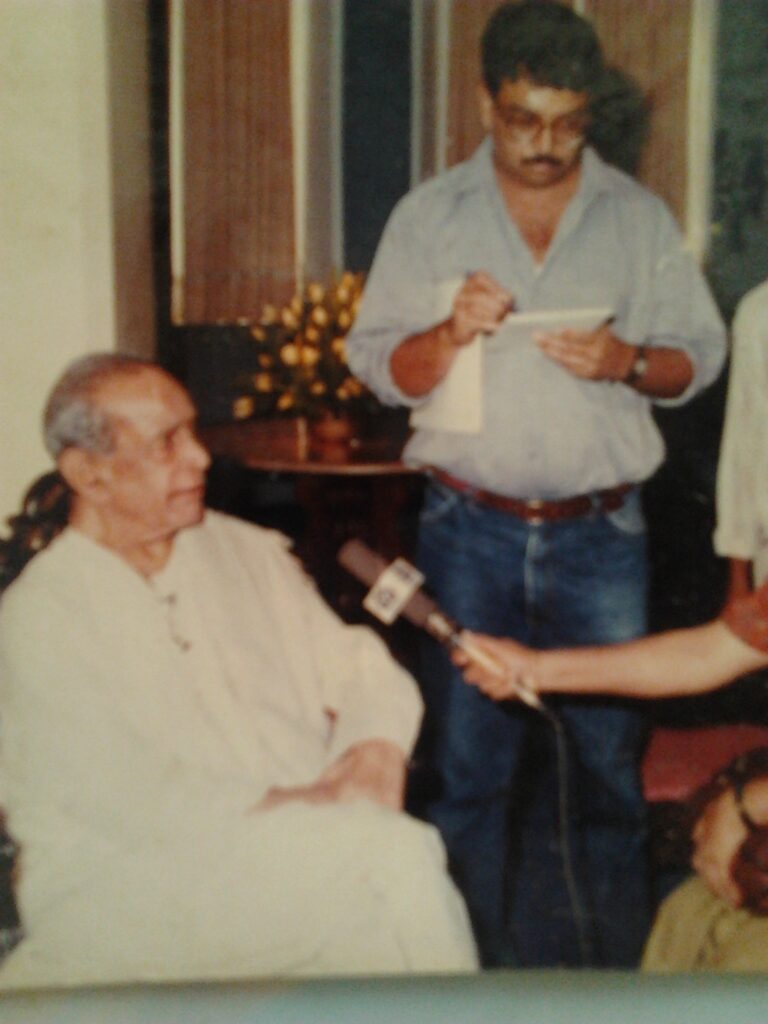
[(638, 368)]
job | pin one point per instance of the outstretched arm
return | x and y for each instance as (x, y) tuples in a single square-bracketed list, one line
[(677, 663)]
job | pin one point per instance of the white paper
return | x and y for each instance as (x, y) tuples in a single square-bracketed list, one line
[(520, 327), (456, 404)]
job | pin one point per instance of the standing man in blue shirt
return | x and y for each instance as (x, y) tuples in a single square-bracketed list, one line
[(532, 525)]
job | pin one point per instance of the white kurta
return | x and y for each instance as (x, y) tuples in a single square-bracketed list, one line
[(742, 474), (142, 722)]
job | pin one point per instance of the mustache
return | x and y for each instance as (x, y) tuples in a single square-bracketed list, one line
[(544, 158)]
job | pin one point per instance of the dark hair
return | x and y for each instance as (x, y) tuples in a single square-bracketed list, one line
[(749, 867), (544, 41), (553, 46), (750, 871)]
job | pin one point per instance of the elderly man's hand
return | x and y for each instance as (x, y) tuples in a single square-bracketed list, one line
[(717, 835), (591, 355), (372, 770)]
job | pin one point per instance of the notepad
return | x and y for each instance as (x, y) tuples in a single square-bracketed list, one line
[(518, 327), (456, 404)]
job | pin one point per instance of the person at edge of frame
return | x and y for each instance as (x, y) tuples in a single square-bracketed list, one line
[(717, 919)]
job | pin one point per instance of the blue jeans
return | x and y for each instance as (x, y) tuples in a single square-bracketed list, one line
[(568, 583)]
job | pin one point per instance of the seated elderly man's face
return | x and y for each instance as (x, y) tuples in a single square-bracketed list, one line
[(154, 480)]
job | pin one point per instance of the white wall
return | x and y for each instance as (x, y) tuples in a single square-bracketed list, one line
[(60, 204)]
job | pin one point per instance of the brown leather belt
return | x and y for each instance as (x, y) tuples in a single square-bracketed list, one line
[(538, 510)]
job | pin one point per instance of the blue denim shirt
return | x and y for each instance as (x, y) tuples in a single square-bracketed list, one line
[(545, 433)]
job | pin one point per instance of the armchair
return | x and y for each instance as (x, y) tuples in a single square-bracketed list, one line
[(43, 515)]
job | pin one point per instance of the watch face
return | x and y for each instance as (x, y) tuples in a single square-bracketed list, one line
[(638, 368)]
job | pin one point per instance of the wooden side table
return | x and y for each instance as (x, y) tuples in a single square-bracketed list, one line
[(358, 489)]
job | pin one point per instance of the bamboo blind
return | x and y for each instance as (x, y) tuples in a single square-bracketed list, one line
[(237, 171)]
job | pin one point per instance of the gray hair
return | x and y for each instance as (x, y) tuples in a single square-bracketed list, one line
[(72, 417)]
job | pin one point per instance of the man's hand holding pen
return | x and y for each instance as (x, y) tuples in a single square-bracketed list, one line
[(479, 307)]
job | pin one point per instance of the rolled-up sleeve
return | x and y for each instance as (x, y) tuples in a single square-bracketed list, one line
[(683, 314), (398, 299)]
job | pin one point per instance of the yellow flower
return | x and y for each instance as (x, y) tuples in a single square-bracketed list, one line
[(300, 351), (289, 319), (262, 382), (243, 407), (290, 354)]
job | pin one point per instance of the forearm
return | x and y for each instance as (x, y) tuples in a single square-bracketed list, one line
[(677, 663), (668, 374), (422, 360), (602, 355)]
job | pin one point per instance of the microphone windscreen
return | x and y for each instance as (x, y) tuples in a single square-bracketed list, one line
[(366, 566)]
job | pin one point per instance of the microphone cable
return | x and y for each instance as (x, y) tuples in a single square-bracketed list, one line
[(395, 590)]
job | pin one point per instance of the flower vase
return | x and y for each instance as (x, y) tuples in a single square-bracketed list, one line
[(332, 428), (331, 436)]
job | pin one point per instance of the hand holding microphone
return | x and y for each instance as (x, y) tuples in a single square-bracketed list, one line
[(498, 666), (395, 590)]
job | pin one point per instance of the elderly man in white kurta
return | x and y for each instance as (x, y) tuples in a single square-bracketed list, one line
[(203, 767)]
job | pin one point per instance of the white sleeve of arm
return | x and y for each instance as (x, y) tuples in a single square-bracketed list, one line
[(747, 405), (368, 694)]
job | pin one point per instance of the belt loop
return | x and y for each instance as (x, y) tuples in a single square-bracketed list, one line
[(535, 518)]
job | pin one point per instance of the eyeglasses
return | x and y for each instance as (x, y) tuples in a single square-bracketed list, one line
[(524, 124)]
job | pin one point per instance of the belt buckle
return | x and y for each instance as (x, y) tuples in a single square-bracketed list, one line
[(533, 506)]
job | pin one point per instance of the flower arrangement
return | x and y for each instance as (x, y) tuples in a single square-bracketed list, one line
[(301, 364)]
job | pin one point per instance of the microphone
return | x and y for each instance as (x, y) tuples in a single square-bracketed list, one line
[(395, 590)]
